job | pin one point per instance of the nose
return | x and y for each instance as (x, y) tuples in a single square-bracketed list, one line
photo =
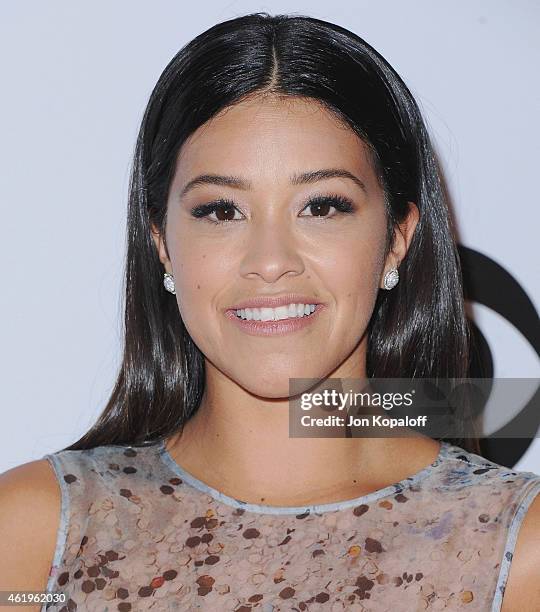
[(271, 251)]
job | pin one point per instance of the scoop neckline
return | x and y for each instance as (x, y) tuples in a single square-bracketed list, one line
[(217, 495)]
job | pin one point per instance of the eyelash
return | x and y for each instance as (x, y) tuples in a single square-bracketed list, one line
[(339, 202)]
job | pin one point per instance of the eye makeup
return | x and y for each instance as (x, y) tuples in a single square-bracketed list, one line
[(342, 205)]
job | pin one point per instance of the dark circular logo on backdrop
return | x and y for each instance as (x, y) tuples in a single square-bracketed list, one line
[(487, 283)]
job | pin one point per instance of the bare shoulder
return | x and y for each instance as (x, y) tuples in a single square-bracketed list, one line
[(522, 593), (30, 504)]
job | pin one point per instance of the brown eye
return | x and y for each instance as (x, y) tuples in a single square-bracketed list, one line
[(224, 210), (225, 213), (320, 206), (320, 209)]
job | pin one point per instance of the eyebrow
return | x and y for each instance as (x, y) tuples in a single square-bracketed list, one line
[(236, 182)]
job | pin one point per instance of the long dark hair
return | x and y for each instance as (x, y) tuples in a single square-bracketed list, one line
[(418, 329)]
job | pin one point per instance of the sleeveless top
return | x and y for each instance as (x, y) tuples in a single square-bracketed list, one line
[(138, 532)]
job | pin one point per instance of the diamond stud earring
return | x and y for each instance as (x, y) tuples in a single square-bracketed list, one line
[(168, 282), (391, 279)]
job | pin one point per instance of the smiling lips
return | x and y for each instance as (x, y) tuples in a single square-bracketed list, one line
[(274, 301), (275, 321), (292, 311)]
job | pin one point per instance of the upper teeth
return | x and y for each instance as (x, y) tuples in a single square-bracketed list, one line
[(275, 314)]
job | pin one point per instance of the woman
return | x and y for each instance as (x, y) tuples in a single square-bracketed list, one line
[(282, 171)]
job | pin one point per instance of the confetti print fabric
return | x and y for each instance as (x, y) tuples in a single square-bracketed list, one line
[(137, 532)]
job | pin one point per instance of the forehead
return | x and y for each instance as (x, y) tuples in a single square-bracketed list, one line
[(267, 138)]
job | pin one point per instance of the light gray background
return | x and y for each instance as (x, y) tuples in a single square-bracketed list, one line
[(76, 77)]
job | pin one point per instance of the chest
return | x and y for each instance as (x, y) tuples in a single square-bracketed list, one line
[(195, 554)]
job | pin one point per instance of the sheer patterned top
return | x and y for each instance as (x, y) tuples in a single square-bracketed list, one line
[(138, 532)]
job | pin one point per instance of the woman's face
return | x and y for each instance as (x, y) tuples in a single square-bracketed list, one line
[(270, 242)]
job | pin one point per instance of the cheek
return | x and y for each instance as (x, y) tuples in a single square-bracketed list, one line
[(354, 258), (199, 273), (351, 269)]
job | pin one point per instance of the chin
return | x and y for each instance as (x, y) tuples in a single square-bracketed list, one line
[(279, 385)]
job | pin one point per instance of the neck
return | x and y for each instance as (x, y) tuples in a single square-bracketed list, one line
[(239, 444)]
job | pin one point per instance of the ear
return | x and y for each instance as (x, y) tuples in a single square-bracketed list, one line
[(403, 234), (160, 247)]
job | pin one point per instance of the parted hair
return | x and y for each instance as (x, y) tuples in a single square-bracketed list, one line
[(418, 329)]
